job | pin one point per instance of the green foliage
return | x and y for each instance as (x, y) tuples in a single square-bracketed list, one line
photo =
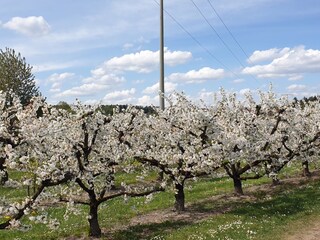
[(108, 109), (65, 106), (16, 76)]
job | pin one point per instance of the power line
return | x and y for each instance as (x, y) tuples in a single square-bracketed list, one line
[(233, 37), (198, 42), (225, 44), (215, 31)]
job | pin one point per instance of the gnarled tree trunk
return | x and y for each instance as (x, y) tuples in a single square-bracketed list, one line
[(237, 183), (94, 230), (179, 196), (275, 181), (3, 178), (306, 171)]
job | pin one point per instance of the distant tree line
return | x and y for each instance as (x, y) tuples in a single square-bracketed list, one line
[(108, 109), (306, 100)]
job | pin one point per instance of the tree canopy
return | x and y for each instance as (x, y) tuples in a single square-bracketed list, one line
[(16, 76)]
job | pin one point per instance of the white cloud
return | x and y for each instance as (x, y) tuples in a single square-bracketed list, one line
[(146, 100), (91, 85), (199, 76), (54, 90), (57, 80), (91, 102), (297, 87), (54, 66), (106, 79), (97, 82), (154, 89), (240, 80), (120, 97), (30, 26), (206, 96), (127, 46), (292, 64), (266, 55), (56, 77), (295, 78), (139, 81), (83, 90), (107, 75), (244, 91), (144, 61)]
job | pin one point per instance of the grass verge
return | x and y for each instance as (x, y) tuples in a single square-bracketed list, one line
[(263, 214)]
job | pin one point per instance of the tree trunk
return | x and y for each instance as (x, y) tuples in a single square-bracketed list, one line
[(95, 230), (275, 181), (179, 196), (160, 176), (237, 185), (4, 178), (306, 172)]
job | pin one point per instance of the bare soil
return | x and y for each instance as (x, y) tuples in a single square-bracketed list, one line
[(311, 232), (194, 214)]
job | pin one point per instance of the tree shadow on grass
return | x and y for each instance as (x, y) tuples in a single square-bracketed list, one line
[(146, 231), (284, 204), (193, 214)]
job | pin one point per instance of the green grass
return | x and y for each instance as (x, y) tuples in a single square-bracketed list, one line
[(264, 219)]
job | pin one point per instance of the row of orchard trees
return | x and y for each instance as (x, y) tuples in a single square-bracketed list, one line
[(73, 156)]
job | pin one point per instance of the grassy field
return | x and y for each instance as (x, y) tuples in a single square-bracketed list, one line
[(213, 212)]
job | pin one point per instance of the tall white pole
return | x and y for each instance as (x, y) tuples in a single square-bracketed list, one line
[(161, 83)]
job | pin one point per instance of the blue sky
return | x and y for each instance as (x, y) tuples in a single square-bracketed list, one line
[(107, 51)]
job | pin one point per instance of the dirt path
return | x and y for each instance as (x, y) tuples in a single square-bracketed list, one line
[(193, 214), (312, 232)]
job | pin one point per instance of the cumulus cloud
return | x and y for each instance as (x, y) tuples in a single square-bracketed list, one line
[(291, 63), (83, 90), (106, 79), (154, 89), (91, 85), (205, 96), (194, 76), (144, 61), (30, 26), (146, 100), (57, 79), (109, 74), (296, 87), (97, 82), (267, 55), (119, 97)]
